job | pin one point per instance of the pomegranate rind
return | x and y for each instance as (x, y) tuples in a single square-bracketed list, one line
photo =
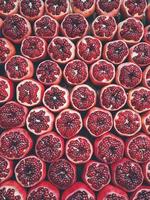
[(147, 34), (146, 78), (12, 11), (146, 171), (134, 196), (8, 171), (146, 127)]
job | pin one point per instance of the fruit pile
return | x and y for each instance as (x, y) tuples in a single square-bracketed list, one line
[(74, 100)]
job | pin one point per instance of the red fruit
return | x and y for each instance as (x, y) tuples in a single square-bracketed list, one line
[(148, 13), (40, 120), (83, 97), (98, 121), (86, 8), (146, 171), (147, 34), (56, 98), (1, 24), (108, 8), (7, 50), (115, 51), (15, 143), (109, 148), (8, 7), (43, 190), (146, 77), (29, 92), (34, 48), (146, 122), (6, 89), (79, 150), (19, 68), (57, 8), (49, 73), (102, 72), (61, 50), (12, 190), (130, 30), (89, 49), (6, 168), (16, 28), (76, 72), (140, 54), (62, 173), (104, 27), (68, 123), (12, 114), (96, 175), (139, 99), (127, 122), (134, 8), (142, 192), (30, 171), (111, 192), (78, 191), (112, 97), (49, 147), (46, 27), (127, 175), (128, 75), (31, 9), (74, 26)]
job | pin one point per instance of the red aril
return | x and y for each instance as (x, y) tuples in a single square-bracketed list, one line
[(147, 34), (146, 122), (6, 89), (6, 168), (142, 192), (8, 7), (146, 77), (146, 171)]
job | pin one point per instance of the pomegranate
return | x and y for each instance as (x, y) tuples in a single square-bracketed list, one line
[(115, 51), (102, 72), (83, 97), (62, 173), (142, 192), (98, 121), (16, 28), (146, 77), (74, 26), (30, 171), (29, 92), (68, 123), (147, 34), (56, 98), (146, 171), (146, 122), (15, 143), (8, 7), (79, 150), (6, 89), (127, 175), (31, 9), (127, 122), (49, 147), (109, 148), (104, 27), (76, 72), (148, 13), (6, 168), (96, 175), (40, 120), (112, 97), (12, 115)]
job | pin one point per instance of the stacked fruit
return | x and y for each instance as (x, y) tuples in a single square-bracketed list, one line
[(74, 100)]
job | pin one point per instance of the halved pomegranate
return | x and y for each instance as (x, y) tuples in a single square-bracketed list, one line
[(74, 26), (98, 121), (40, 120), (104, 27), (78, 191), (112, 97), (148, 13), (12, 114), (142, 192), (102, 72), (29, 92), (89, 49), (49, 147), (56, 98), (34, 48), (15, 143), (127, 122), (96, 175), (8, 7), (147, 34), (68, 123), (31, 9), (79, 150), (115, 51), (46, 27), (146, 122), (128, 75), (76, 72), (6, 89), (146, 171), (6, 168), (1, 24), (109, 148), (146, 77), (16, 28), (62, 173), (30, 171), (19, 68), (139, 99)]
